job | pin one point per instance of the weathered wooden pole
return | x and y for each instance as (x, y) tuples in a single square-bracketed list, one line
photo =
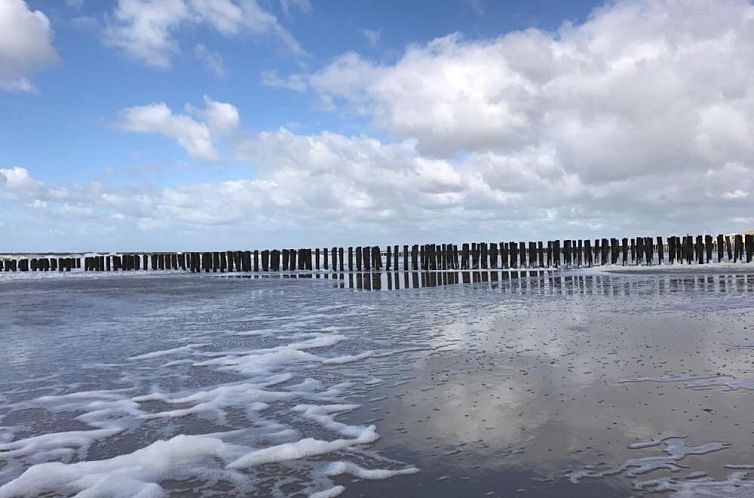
[(365, 256), (589, 255), (286, 255), (350, 258), (395, 259), (358, 258), (334, 254), (556, 253)]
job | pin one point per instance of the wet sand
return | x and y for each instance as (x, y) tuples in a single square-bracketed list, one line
[(551, 385)]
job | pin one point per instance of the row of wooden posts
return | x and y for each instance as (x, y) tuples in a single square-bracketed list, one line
[(553, 254)]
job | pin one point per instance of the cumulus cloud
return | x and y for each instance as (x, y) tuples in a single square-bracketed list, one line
[(640, 86), (196, 132), (210, 59), (636, 122), (18, 181), (25, 45), (147, 30)]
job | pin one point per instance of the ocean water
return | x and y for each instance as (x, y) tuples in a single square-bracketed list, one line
[(580, 385)]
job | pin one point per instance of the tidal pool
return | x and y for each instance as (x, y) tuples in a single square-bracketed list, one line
[(546, 384)]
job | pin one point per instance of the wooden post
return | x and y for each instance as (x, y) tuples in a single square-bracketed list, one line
[(388, 258), (350, 258), (556, 254), (513, 254), (533, 254), (334, 255), (405, 258), (624, 250), (597, 250), (720, 247), (749, 244), (395, 259), (340, 258), (358, 258), (415, 257), (365, 255), (325, 262), (739, 247), (671, 250), (649, 250)]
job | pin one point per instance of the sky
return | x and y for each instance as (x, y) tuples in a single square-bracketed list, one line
[(243, 124)]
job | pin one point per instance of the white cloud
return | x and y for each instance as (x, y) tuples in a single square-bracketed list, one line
[(147, 30), (639, 86), (735, 194), (638, 121), (210, 59), (372, 36), (289, 6), (17, 181), (196, 132), (25, 45)]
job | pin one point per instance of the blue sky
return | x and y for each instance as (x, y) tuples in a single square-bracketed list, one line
[(242, 123)]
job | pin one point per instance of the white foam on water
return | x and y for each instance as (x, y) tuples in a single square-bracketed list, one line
[(645, 444), (348, 358), (301, 449), (133, 474), (675, 449), (735, 486), (329, 493), (272, 406), (55, 445), (341, 467), (167, 352)]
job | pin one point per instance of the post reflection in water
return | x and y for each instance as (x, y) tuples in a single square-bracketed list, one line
[(546, 282)]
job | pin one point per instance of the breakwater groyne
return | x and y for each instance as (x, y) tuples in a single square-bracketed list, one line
[(699, 249)]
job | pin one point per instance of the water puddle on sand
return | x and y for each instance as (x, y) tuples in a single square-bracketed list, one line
[(548, 385)]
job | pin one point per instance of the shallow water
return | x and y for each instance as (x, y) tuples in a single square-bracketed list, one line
[(553, 385)]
